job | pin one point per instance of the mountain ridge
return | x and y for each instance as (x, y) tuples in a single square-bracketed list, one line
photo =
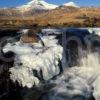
[(38, 5), (42, 5)]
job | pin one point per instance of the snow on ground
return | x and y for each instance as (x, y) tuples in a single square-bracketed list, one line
[(32, 58)]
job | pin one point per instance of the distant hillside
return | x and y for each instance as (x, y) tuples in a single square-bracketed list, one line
[(69, 16), (61, 16)]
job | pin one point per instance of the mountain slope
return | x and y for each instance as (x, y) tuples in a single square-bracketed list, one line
[(38, 5), (69, 16)]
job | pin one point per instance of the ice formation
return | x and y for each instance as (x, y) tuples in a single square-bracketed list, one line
[(32, 58)]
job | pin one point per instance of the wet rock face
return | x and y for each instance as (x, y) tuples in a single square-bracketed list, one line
[(9, 33), (8, 89)]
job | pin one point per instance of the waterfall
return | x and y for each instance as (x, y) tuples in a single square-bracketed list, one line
[(79, 82), (36, 64), (92, 60)]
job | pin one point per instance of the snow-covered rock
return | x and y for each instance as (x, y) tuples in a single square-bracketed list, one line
[(71, 4), (38, 5)]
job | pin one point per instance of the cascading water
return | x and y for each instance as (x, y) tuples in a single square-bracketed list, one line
[(34, 63), (78, 83), (93, 62)]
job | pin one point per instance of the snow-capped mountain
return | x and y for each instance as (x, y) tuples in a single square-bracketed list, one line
[(71, 4), (38, 5)]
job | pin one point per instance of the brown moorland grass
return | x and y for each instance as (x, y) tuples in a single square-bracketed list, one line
[(64, 16)]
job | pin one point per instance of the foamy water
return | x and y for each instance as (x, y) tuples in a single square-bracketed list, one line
[(35, 59), (76, 83)]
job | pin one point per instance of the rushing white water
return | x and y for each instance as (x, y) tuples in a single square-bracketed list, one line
[(80, 82), (94, 30), (76, 83), (34, 58)]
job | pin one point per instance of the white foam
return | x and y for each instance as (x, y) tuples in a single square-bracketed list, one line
[(79, 82), (74, 81), (35, 57)]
